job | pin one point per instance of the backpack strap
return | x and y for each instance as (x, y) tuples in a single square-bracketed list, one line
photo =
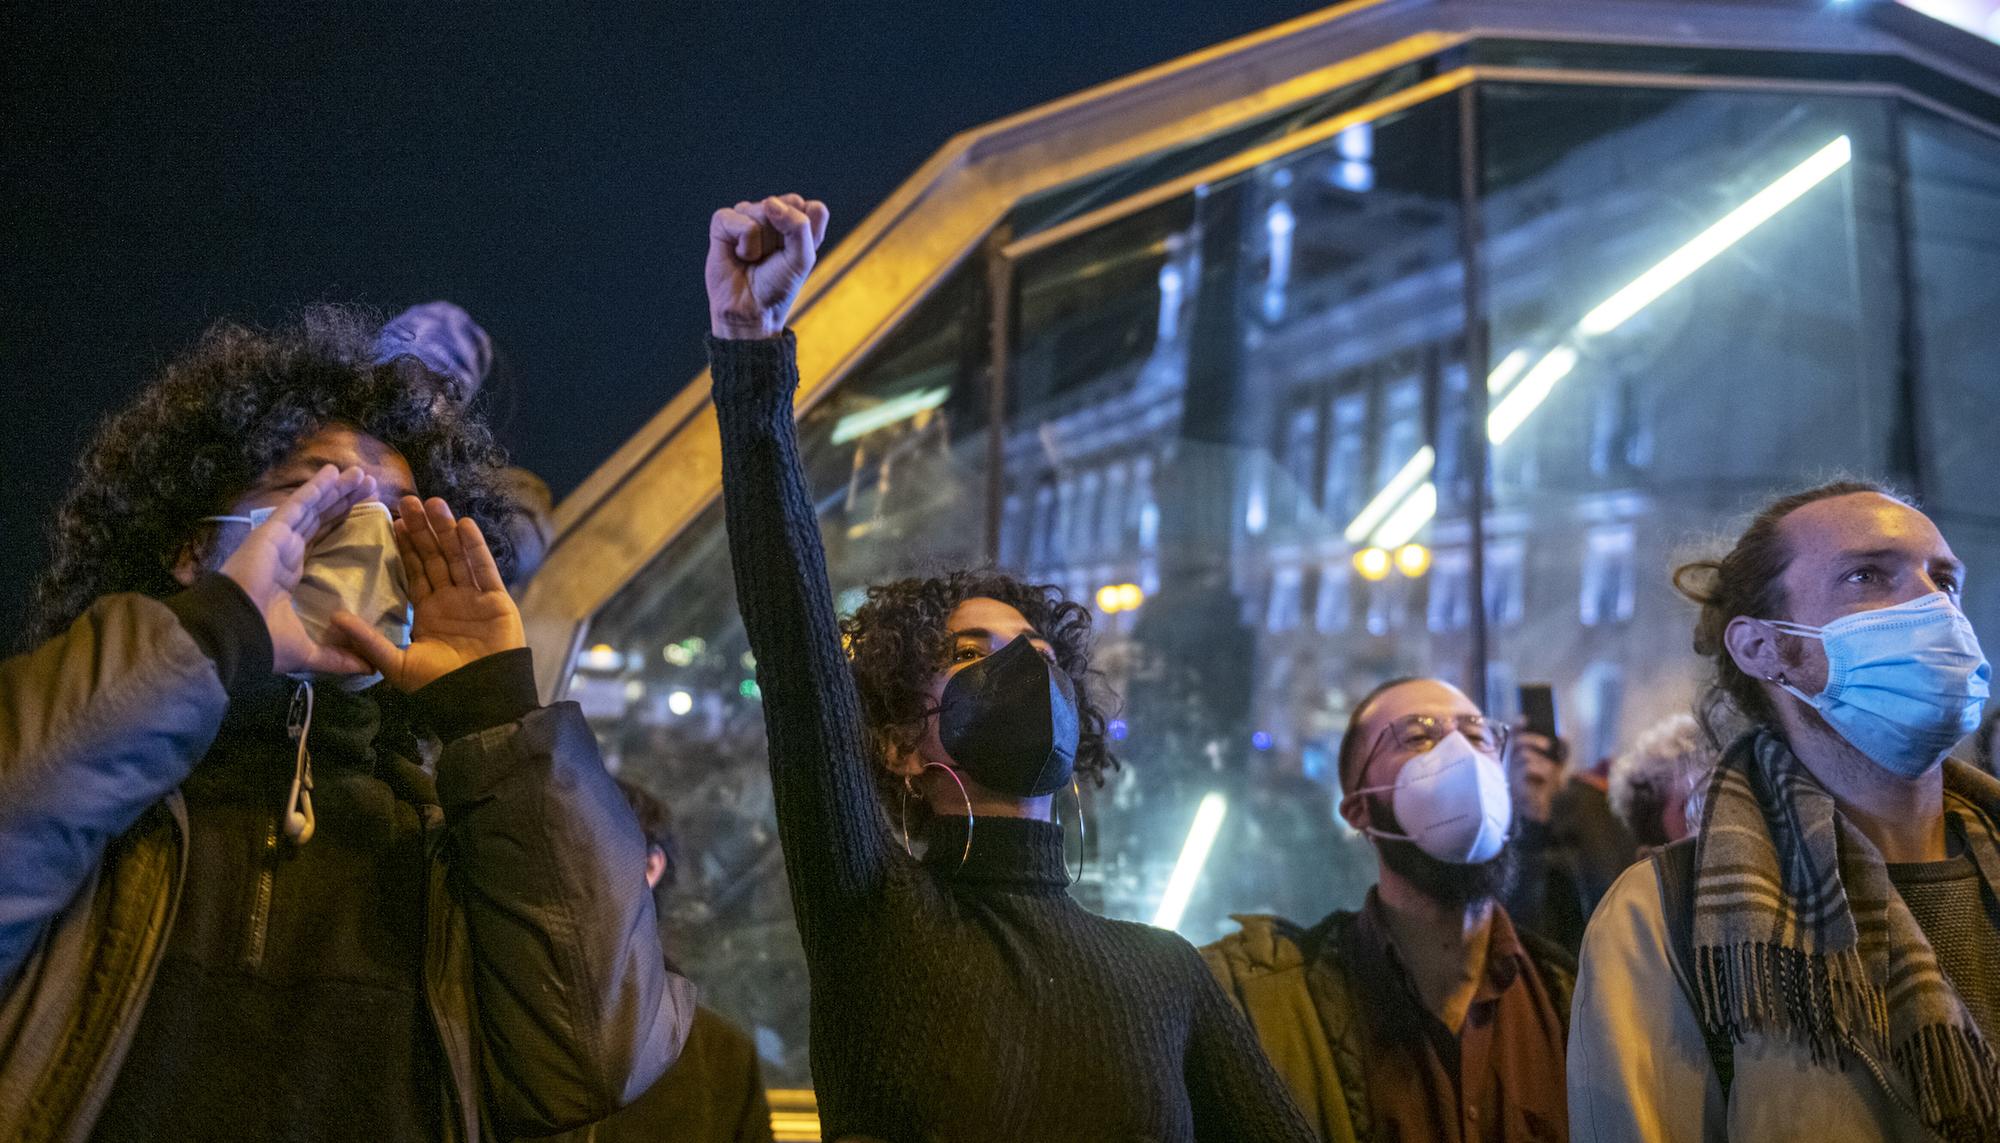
[(1673, 867)]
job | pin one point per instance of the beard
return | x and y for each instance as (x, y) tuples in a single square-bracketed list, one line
[(1449, 883)]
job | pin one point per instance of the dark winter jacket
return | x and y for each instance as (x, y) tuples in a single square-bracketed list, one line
[(542, 968)]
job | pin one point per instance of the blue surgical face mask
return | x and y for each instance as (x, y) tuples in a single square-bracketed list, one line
[(1903, 684)]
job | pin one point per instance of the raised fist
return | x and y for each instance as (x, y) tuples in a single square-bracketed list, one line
[(759, 254)]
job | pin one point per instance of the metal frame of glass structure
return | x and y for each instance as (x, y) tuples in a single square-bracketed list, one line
[(1246, 102), (1121, 331)]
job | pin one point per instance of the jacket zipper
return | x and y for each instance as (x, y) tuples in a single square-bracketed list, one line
[(267, 865), (260, 906), (460, 1083)]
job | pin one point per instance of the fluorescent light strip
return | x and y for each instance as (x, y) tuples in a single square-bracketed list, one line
[(1414, 470), (1613, 312), (1419, 466), (1528, 396), (887, 413), (1405, 522), (1702, 249), (1504, 375), (1194, 854)]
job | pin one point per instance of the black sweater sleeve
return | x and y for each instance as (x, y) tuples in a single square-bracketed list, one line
[(1235, 1092), (835, 842)]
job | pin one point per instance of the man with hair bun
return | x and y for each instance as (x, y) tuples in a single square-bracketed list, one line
[(1821, 960)]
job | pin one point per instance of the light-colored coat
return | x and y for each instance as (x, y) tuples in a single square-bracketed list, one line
[(1639, 1068)]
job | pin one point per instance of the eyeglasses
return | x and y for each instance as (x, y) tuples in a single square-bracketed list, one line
[(1417, 733)]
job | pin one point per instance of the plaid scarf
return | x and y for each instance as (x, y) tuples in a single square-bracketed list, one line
[(1799, 933)]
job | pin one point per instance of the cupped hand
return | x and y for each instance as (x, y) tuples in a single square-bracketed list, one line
[(269, 561), (759, 254), (462, 612)]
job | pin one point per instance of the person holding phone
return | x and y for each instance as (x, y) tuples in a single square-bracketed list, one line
[(1570, 844), (1427, 1014)]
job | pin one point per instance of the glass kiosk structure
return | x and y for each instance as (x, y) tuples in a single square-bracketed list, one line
[(1413, 336)]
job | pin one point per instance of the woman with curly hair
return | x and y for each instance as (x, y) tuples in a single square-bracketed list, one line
[(962, 995), (246, 891)]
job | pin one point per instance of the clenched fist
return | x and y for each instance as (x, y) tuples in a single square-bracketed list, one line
[(759, 254)]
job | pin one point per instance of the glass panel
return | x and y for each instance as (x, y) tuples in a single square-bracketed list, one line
[(1693, 307), (897, 457), (1954, 201), (1879, 69), (1253, 359)]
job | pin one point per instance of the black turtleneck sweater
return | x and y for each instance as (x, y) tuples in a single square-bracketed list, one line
[(950, 1001)]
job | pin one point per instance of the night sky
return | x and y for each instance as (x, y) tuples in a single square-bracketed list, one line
[(164, 166)]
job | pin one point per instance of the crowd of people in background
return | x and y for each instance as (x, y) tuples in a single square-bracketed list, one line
[(291, 848)]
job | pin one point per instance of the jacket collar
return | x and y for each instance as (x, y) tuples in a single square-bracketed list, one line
[(1506, 960), (344, 723)]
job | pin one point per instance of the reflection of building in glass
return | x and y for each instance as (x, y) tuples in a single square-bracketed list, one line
[(1344, 359), (1226, 346)]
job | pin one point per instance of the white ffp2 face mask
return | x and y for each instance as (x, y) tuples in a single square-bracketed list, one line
[(1453, 800), (354, 567), (1903, 683)]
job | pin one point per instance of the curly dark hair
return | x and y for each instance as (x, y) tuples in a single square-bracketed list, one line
[(1749, 581), (897, 642), (219, 417)]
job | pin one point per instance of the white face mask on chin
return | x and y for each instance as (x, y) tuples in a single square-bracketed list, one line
[(354, 567), (1453, 800)]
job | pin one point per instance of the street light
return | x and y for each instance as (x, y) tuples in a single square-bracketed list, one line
[(1372, 563), (1413, 560)]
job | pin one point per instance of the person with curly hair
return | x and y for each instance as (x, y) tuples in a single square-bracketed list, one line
[(907, 626), (288, 846), (962, 995)]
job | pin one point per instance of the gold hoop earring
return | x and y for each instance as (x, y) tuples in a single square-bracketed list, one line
[(960, 783), (1082, 834), (903, 814)]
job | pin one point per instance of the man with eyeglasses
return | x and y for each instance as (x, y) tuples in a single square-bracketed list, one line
[(1425, 1015)]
